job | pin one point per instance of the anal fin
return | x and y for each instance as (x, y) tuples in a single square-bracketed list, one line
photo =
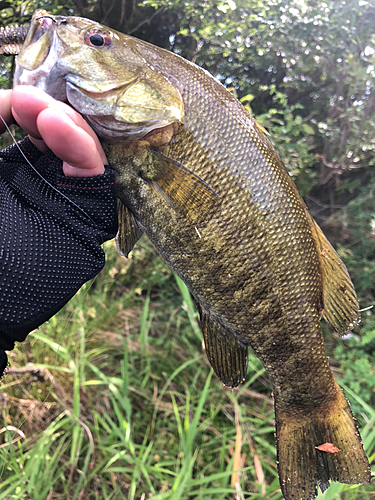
[(227, 356)]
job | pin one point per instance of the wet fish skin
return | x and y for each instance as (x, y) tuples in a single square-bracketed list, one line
[(198, 175)]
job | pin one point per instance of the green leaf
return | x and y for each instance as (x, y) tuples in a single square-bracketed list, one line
[(308, 129)]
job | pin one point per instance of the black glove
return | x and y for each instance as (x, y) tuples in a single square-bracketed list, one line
[(49, 246)]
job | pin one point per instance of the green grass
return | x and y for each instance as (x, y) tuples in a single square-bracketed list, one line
[(113, 398)]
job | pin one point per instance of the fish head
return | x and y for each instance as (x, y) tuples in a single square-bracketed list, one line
[(100, 73)]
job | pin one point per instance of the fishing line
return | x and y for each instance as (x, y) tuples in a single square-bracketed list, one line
[(41, 176), (88, 284)]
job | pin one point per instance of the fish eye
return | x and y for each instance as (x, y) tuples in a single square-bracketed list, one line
[(97, 38)]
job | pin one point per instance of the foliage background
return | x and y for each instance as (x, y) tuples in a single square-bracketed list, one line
[(305, 69)]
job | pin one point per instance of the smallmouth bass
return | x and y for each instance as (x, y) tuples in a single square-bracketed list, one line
[(199, 177)]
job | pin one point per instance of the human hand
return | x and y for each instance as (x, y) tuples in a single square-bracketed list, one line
[(54, 125), (5, 109)]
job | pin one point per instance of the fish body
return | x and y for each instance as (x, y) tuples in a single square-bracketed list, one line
[(200, 178)]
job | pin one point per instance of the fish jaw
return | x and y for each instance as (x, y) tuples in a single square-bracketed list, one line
[(119, 100), (39, 56), (115, 115)]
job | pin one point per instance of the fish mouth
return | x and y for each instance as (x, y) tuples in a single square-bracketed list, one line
[(115, 114), (120, 100), (99, 96), (112, 130), (36, 62)]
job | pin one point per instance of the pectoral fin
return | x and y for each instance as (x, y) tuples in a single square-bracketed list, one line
[(227, 356), (129, 230), (184, 190), (340, 305)]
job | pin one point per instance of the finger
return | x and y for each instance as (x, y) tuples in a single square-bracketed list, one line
[(78, 149), (5, 109), (80, 122), (27, 103), (39, 143)]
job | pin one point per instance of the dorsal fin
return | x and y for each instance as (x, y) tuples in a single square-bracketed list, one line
[(340, 304)]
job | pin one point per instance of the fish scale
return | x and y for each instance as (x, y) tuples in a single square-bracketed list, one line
[(199, 177), (215, 290)]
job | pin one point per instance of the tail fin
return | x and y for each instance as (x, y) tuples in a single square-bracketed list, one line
[(302, 466)]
